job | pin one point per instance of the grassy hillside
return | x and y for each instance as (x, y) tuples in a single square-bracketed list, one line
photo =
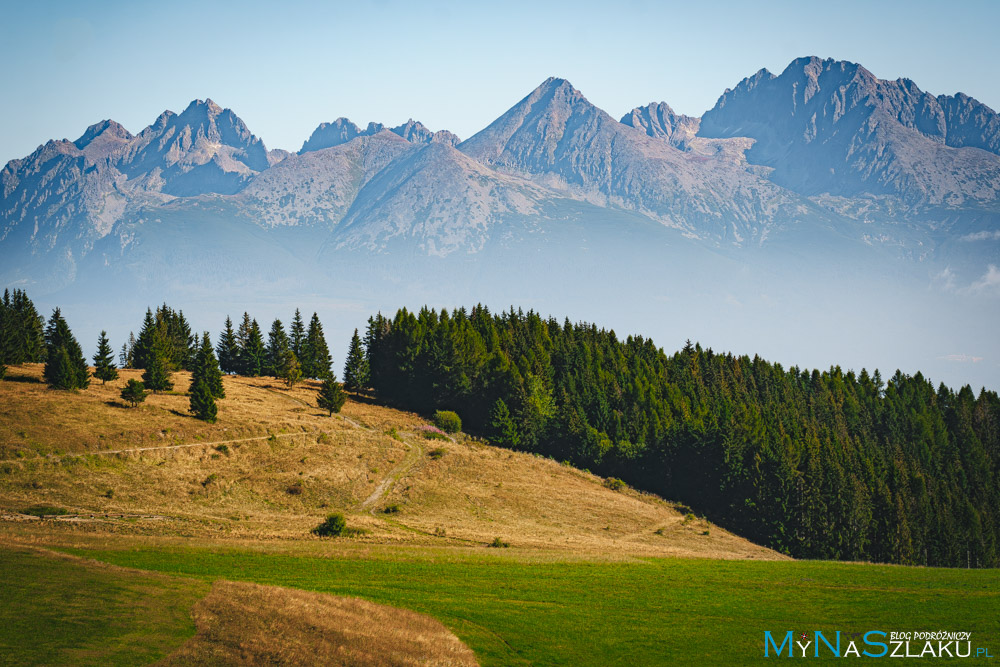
[(593, 575), (274, 465)]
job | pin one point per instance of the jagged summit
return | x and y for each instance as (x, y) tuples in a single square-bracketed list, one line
[(342, 130), (106, 128), (831, 127)]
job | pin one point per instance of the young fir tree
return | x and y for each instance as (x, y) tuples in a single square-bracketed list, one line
[(202, 402), (277, 344), (297, 334), (134, 392), (142, 351), (289, 369), (206, 368), (253, 355), (104, 364), (356, 366), (228, 349), (157, 375), (65, 366), (315, 358), (331, 395), (503, 430)]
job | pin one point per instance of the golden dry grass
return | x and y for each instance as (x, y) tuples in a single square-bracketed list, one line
[(248, 624), (286, 464)]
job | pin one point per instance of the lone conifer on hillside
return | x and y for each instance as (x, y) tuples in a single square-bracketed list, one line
[(202, 402), (104, 365), (134, 392), (356, 366), (331, 395)]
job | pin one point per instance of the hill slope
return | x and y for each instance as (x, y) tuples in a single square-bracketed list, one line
[(274, 465)]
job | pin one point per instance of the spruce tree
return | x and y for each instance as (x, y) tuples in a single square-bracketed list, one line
[(356, 366), (142, 351), (277, 344), (315, 357), (104, 365), (65, 366), (297, 334), (289, 369), (202, 402), (503, 430), (134, 392), (252, 354), (206, 368), (228, 349), (331, 395), (157, 375)]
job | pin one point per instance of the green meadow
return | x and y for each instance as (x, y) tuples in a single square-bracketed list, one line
[(515, 608), (60, 611)]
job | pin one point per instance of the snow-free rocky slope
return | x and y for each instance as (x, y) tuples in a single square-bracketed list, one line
[(822, 153)]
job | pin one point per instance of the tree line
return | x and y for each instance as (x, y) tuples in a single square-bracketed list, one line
[(166, 344), (830, 464)]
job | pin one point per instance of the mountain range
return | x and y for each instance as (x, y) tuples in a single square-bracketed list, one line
[(822, 162)]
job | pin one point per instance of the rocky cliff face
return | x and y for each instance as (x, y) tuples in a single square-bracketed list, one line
[(340, 131), (558, 138), (831, 127)]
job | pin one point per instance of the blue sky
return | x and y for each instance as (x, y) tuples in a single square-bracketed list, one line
[(286, 67)]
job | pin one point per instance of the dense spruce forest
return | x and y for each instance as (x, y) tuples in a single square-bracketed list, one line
[(831, 464)]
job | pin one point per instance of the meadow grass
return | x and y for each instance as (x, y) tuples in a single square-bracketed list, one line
[(513, 609), (59, 611)]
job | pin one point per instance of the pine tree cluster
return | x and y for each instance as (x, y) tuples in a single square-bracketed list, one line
[(22, 331), (289, 356)]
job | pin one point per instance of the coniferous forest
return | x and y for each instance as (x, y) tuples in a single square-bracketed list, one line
[(833, 464)]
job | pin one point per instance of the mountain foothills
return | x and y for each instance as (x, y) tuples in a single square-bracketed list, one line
[(824, 148)]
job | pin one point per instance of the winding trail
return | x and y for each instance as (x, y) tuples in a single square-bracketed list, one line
[(415, 453), (132, 450)]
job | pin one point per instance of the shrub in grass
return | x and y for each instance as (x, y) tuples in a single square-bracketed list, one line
[(688, 518), (498, 543), (431, 433), (295, 489), (222, 449), (333, 526), (391, 509), (208, 480), (614, 484), (447, 421), (436, 453)]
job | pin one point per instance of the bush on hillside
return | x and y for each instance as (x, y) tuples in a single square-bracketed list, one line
[(332, 527), (448, 421)]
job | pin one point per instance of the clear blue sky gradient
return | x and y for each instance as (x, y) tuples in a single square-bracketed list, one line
[(284, 67)]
